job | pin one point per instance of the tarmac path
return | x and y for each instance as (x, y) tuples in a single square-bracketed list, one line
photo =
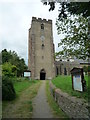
[(41, 108)]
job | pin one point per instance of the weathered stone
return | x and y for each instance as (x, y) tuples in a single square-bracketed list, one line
[(72, 106), (41, 49)]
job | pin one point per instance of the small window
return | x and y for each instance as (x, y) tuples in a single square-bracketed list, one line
[(42, 26), (42, 57), (42, 46)]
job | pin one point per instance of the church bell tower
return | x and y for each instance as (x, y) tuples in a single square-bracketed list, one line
[(41, 49)]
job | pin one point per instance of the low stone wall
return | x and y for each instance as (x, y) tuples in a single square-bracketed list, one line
[(72, 106)]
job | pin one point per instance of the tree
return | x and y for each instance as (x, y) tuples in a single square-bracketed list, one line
[(79, 8), (85, 69), (15, 60), (12, 65), (22, 67), (75, 30), (6, 56), (75, 42), (9, 70), (71, 7), (8, 91), (0, 58)]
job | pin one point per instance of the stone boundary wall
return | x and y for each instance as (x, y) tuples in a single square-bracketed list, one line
[(72, 106)]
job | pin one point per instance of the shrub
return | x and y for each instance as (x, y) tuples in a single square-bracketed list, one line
[(9, 70), (8, 92)]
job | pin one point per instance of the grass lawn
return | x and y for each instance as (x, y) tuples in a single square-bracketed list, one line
[(22, 85), (56, 109), (25, 90), (65, 84)]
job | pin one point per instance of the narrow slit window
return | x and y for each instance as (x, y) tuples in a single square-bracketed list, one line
[(42, 26), (42, 57), (42, 46)]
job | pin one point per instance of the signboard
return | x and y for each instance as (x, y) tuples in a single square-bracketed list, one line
[(27, 74), (78, 79), (77, 84)]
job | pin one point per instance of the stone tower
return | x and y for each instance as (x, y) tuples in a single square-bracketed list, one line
[(41, 49)]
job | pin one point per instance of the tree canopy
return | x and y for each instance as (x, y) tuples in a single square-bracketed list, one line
[(14, 62), (71, 7), (9, 70), (73, 22), (75, 42)]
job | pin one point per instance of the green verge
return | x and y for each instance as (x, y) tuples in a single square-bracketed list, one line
[(20, 86), (58, 113), (30, 89), (29, 95), (65, 84)]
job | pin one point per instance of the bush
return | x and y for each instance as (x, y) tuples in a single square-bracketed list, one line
[(9, 70), (8, 92)]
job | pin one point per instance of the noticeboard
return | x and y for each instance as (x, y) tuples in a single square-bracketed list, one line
[(77, 79), (27, 74), (77, 83)]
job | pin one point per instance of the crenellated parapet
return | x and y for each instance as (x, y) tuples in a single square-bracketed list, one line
[(41, 20)]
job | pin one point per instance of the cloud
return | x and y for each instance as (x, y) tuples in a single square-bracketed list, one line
[(16, 20)]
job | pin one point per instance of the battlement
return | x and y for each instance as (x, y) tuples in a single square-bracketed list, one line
[(41, 20)]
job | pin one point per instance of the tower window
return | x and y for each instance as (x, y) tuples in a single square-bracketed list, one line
[(42, 57), (42, 26), (42, 46)]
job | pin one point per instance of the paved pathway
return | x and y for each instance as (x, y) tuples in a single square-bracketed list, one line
[(41, 108)]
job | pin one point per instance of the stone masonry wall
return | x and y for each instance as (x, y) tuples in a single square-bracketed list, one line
[(72, 106), (41, 52)]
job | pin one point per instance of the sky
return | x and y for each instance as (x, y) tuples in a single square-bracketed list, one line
[(15, 20)]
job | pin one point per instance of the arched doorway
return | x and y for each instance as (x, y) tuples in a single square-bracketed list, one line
[(42, 74)]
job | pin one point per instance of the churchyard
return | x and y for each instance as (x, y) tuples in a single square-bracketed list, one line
[(65, 84), (18, 92), (27, 89), (73, 102)]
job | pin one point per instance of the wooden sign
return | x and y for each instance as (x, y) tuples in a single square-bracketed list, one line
[(77, 83), (77, 79)]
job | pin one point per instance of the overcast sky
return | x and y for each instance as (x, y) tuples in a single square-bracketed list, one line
[(15, 20)]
